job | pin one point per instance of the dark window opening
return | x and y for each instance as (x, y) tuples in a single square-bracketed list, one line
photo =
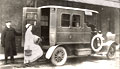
[(76, 21), (45, 13), (65, 20)]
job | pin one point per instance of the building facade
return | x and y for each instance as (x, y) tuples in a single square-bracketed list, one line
[(108, 17)]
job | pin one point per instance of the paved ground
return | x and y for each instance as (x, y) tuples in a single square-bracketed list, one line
[(19, 55), (93, 62)]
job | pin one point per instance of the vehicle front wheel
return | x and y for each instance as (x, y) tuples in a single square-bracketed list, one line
[(59, 56), (111, 52)]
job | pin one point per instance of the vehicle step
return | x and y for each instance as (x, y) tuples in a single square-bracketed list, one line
[(83, 51)]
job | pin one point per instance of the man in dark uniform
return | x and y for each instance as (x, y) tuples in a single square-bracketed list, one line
[(93, 27), (8, 42)]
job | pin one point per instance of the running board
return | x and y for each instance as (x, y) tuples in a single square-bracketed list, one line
[(83, 52)]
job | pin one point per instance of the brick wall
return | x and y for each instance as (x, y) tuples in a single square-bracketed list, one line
[(11, 10)]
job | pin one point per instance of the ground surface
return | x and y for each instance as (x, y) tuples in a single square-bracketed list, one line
[(91, 62)]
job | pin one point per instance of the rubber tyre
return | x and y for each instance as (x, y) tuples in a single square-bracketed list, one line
[(92, 43), (59, 56), (111, 53)]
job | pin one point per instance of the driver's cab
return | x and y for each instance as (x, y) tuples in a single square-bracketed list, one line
[(91, 19)]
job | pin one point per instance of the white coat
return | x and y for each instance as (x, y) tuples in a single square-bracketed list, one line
[(30, 39)]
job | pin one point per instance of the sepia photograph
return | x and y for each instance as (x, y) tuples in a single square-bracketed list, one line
[(59, 34)]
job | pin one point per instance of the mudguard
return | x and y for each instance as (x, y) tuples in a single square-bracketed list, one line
[(107, 45), (50, 51)]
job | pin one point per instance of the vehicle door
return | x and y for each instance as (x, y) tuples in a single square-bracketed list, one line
[(29, 16), (77, 28)]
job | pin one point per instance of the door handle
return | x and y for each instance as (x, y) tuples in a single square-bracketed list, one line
[(70, 36)]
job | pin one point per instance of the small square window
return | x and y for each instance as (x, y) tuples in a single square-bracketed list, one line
[(76, 21), (65, 21)]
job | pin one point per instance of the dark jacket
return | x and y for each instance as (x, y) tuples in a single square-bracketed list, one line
[(93, 27), (8, 41)]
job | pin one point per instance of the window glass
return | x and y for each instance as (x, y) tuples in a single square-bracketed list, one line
[(31, 16), (76, 21), (65, 20)]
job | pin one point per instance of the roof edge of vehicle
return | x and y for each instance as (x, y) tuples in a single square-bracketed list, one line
[(63, 7)]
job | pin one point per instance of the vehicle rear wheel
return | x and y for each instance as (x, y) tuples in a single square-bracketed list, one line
[(111, 52), (59, 56)]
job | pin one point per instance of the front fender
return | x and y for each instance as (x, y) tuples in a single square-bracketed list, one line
[(50, 51), (107, 45)]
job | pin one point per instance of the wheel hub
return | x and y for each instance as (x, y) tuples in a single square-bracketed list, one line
[(59, 56), (111, 53)]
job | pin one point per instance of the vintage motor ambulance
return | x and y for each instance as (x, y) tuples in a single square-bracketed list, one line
[(65, 34)]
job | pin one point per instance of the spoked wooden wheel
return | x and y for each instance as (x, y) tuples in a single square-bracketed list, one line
[(59, 56), (111, 52)]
